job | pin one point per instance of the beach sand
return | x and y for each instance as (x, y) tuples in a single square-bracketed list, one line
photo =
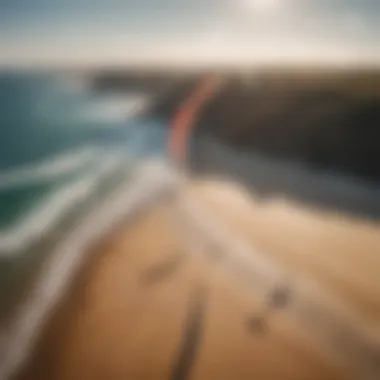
[(158, 299)]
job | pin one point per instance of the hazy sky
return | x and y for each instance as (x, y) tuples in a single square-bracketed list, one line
[(188, 31)]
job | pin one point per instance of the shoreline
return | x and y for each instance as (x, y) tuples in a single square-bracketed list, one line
[(134, 294), (69, 255)]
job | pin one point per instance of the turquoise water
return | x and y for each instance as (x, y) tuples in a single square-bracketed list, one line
[(56, 134), (63, 149)]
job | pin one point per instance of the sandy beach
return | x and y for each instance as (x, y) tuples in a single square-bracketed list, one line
[(159, 300)]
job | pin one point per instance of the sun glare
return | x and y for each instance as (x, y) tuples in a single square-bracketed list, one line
[(262, 5)]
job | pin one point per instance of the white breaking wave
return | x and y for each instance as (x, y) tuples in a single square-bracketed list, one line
[(117, 108), (152, 182), (47, 170), (44, 216)]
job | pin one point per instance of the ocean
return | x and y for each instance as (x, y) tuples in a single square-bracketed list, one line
[(54, 133), (62, 148)]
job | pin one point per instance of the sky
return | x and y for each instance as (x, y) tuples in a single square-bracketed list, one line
[(189, 32)]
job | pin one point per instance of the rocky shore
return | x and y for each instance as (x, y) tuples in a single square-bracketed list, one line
[(327, 119)]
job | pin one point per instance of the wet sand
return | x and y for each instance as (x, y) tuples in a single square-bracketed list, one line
[(153, 302)]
